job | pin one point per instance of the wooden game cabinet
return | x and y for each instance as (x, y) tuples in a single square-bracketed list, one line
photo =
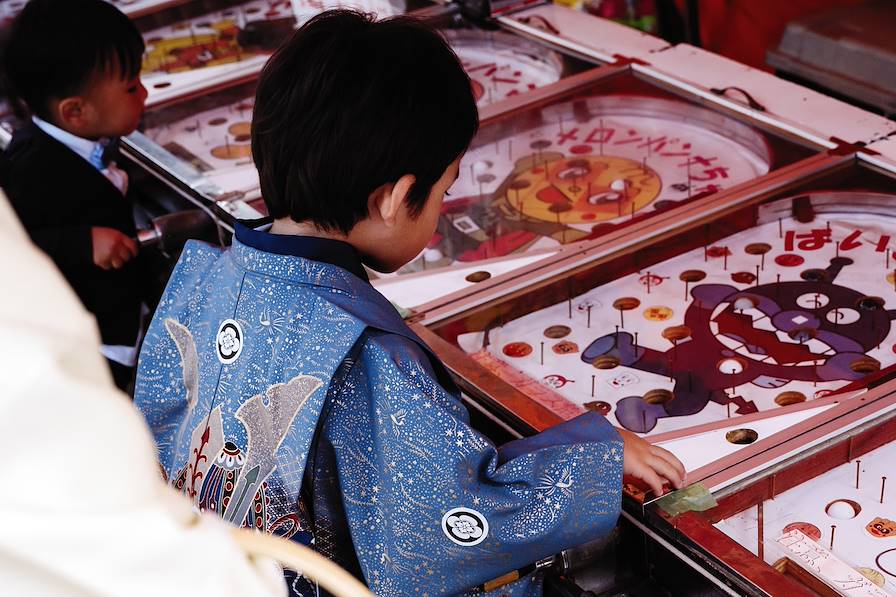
[(496, 251), (197, 47), (834, 441), (612, 89), (517, 399), (209, 159)]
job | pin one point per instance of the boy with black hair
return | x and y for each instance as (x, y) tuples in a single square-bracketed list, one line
[(286, 394), (75, 64)]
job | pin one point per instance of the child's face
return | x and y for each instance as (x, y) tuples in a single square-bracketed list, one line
[(115, 106), (109, 107), (415, 233)]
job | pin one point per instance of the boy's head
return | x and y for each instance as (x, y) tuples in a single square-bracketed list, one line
[(76, 64), (358, 128)]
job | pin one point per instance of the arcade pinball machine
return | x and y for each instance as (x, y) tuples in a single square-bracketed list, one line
[(750, 335), (668, 239), (589, 156)]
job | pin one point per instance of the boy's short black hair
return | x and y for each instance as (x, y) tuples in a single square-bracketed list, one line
[(349, 104), (55, 47)]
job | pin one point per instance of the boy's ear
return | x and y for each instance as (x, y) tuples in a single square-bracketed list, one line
[(70, 111), (389, 198)]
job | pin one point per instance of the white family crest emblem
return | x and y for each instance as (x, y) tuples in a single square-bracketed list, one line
[(465, 526), (229, 341)]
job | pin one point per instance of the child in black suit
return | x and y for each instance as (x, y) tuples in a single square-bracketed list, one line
[(75, 64)]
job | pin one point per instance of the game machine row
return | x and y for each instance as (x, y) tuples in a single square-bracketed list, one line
[(740, 87), (721, 334), (580, 161), (812, 513), (200, 65), (557, 25), (133, 8), (201, 144)]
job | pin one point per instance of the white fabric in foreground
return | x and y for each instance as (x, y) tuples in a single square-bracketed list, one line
[(85, 510)]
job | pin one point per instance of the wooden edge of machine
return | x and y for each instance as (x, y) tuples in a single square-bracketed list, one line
[(788, 567), (744, 563), (827, 456), (810, 436), (578, 256), (512, 404), (784, 577), (548, 93)]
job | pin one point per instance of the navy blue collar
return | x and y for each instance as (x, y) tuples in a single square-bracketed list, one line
[(324, 250)]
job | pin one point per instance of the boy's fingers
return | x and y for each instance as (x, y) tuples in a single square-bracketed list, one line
[(666, 470), (653, 481), (671, 459)]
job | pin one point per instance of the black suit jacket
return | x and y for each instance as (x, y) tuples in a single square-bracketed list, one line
[(59, 197)]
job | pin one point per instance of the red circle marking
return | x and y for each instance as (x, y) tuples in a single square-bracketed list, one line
[(808, 529), (599, 406), (789, 260), (743, 277), (717, 252), (517, 349), (565, 347), (589, 216), (580, 149)]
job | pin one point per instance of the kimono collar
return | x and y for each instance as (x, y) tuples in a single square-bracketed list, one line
[(329, 264), (324, 250)]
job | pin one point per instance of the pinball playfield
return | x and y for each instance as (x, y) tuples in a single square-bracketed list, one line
[(501, 65), (783, 312), (588, 165), (815, 515), (716, 339), (212, 134), (606, 150), (188, 54), (845, 514)]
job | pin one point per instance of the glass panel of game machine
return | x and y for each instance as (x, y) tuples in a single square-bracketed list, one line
[(811, 511), (207, 138), (132, 8), (604, 150), (821, 522), (710, 338), (198, 45)]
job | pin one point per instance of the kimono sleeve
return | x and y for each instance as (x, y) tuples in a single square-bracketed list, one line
[(431, 504)]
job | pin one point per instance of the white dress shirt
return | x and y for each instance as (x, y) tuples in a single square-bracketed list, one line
[(91, 151)]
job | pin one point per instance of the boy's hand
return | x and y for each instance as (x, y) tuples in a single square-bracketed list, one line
[(650, 463), (112, 248)]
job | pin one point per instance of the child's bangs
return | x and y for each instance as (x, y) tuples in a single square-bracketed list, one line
[(122, 58)]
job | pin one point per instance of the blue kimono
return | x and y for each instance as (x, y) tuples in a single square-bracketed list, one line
[(287, 395)]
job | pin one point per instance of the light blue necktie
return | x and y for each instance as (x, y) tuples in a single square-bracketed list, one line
[(96, 156)]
